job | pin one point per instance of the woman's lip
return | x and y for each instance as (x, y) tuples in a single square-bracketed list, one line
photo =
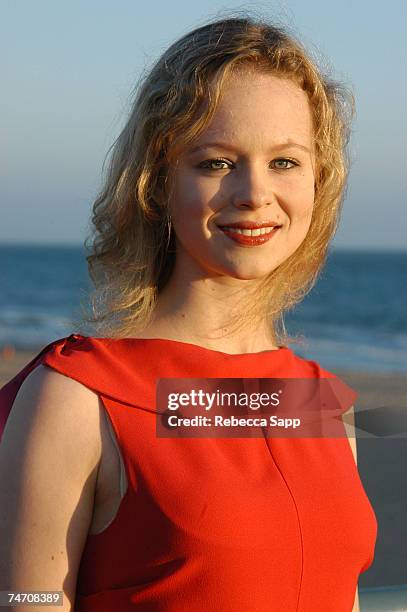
[(249, 240)]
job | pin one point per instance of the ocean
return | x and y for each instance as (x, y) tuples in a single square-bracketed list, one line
[(354, 318)]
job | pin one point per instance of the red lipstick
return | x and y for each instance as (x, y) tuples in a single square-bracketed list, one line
[(248, 233)]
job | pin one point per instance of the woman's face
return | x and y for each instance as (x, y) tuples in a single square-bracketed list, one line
[(253, 163)]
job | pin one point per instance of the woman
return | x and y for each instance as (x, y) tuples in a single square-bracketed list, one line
[(223, 193)]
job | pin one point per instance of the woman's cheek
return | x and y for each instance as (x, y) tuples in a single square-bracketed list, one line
[(188, 226), (304, 203)]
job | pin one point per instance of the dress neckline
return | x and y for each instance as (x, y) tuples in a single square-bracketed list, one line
[(127, 369), (198, 347)]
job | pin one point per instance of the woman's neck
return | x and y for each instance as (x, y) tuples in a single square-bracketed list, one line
[(201, 314)]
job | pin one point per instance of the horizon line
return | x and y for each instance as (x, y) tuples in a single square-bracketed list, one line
[(364, 248)]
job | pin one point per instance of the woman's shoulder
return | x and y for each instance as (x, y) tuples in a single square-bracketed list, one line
[(86, 359), (333, 391), (46, 384), (59, 404), (51, 382)]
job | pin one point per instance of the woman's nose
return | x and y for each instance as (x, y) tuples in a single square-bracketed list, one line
[(253, 189)]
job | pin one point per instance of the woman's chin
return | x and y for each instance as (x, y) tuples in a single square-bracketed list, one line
[(251, 277), (247, 273)]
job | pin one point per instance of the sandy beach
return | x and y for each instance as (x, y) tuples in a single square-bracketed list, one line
[(382, 465), (13, 362)]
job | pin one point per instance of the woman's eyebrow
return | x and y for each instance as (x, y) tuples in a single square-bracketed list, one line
[(223, 145)]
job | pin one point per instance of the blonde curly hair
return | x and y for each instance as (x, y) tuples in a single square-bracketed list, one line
[(132, 244)]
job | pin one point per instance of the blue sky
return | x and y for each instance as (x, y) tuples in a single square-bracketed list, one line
[(68, 69)]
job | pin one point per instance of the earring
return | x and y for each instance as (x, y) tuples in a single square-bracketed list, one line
[(169, 229)]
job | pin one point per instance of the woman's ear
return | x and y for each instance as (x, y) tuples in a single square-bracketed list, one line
[(160, 192), (158, 196)]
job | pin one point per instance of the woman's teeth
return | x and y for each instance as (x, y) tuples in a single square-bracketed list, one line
[(247, 232)]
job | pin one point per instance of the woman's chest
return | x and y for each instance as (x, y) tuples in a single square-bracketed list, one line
[(196, 483), (289, 510), (253, 491)]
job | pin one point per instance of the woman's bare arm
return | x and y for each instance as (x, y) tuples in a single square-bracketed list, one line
[(49, 457)]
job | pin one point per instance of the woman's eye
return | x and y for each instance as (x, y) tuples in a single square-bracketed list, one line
[(216, 163), (282, 164), (208, 163)]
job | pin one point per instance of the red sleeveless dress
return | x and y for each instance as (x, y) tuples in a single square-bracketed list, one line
[(214, 524)]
